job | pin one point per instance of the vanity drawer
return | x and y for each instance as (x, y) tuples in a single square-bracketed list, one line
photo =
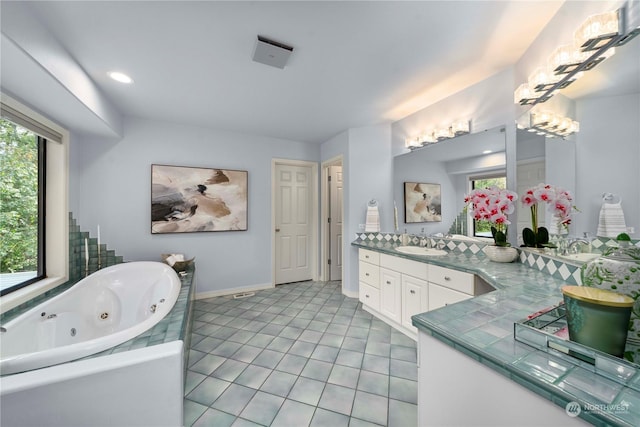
[(405, 266), (439, 296), (452, 279), (369, 274), (369, 296), (369, 256)]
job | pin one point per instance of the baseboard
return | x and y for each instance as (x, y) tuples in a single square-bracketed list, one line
[(231, 291), (395, 325), (350, 294)]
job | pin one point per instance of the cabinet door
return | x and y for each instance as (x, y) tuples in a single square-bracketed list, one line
[(414, 299), (390, 294), (369, 274), (439, 296), (369, 296)]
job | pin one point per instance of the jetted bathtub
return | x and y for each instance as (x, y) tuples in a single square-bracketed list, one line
[(101, 311)]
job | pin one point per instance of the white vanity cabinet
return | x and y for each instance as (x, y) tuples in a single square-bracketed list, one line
[(394, 288)]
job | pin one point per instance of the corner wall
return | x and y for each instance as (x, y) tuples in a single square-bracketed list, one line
[(367, 174)]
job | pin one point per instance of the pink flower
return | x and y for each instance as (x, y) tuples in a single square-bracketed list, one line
[(528, 200), (559, 201)]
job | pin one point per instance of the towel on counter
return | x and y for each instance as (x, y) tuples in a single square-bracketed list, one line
[(372, 224), (611, 222)]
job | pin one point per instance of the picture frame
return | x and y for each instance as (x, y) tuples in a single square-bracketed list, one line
[(422, 202), (186, 199)]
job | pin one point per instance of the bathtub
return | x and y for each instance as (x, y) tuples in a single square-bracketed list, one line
[(137, 383), (101, 311)]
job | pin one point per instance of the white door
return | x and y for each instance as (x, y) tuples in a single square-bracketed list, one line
[(529, 175), (335, 222), (293, 221)]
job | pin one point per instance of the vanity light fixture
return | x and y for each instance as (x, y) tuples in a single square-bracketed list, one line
[(594, 41), (551, 125), (458, 128), (120, 77)]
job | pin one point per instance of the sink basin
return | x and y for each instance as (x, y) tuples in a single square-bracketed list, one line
[(417, 250), (581, 257)]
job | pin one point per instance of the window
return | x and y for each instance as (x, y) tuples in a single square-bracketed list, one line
[(22, 175), (42, 259), (483, 228)]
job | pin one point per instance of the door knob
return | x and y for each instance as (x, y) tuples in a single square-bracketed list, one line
[(277, 230)]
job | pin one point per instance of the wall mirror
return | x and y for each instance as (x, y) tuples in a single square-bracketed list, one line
[(604, 156), (449, 163)]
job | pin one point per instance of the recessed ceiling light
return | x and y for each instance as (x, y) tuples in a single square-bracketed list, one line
[(120, 77), (486, 152)]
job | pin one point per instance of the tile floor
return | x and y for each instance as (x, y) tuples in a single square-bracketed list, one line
[(298, 355)]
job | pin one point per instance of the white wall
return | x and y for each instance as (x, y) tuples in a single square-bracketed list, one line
[(607, 158), (113, 184)]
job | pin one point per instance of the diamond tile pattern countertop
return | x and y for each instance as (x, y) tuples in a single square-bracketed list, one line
[(483, 329)]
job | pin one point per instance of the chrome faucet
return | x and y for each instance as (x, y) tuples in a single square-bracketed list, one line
[(571, 244)]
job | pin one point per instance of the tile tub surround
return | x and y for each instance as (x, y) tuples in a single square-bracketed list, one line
[(298, 355), (482, 328)]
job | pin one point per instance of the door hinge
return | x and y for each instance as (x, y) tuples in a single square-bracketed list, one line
[(329, 220), (329, 177), (329, 261)]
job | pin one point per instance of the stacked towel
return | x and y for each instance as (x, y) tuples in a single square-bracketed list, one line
[(611, 222), (555, 227), (373, 220)]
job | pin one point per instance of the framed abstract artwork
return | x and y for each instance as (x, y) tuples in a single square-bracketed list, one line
[(190, 199), (422, 202)]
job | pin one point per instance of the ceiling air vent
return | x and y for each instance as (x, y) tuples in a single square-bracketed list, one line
[(271, 52)]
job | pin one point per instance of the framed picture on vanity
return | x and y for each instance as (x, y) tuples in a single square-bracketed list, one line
[(190, 199), (422, 202)]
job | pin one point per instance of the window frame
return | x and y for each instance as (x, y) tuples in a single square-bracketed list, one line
[(476, 177), (41, 272), (55, 247)]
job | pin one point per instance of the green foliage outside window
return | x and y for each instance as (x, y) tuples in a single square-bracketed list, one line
[(18, 198), (483, 228)]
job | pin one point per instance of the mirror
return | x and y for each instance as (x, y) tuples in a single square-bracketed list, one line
[(449, 163), (604, 156)]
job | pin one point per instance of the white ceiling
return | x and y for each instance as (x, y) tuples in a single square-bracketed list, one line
[(354, 63)]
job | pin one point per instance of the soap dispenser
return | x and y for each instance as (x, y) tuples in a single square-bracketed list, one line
[(404, 238)]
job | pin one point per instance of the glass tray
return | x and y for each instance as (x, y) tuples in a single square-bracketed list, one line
[(547, 329)]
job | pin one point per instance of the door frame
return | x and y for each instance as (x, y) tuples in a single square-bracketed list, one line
[(313, 196), (324, 229)]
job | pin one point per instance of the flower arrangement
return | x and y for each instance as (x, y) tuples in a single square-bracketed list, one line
[(493, 205), (559, 202)]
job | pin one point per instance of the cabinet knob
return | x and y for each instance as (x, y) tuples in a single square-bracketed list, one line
[(366, 256), (447, 278), (366, 274), (388, 282), (366, 296), (412, 291)]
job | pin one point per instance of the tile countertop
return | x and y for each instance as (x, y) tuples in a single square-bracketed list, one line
[(483, 328)]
